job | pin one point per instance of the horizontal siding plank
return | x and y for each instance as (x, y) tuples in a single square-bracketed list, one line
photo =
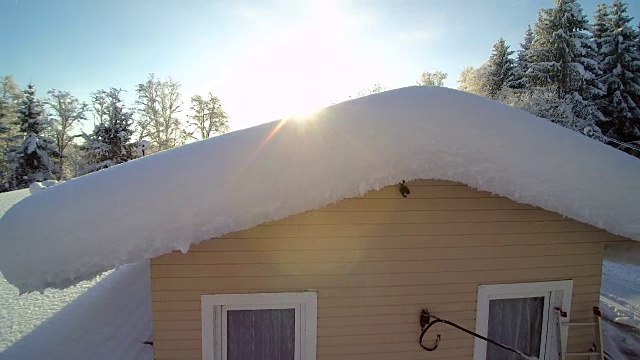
[(369, 330), (178, 344), (416, 217), (395, 347), (398, 300), (452, 310), (369, 306), (173, 354), (367, 230), (428, 182), (377, 320), (448, 351), (292, 242), (593, 298), (193, 315), (582, 310), (581, 285), (320, 281), (443, 310), (384, 267), (364, 340), (428, 192), (410, 204), (177, 335), (363, 255), (342, 305), (397, 290), (380, 306), (176, 325)]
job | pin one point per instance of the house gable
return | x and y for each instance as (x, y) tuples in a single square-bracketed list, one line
[(375, 261)]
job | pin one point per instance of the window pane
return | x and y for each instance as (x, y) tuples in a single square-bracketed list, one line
[(267, 334), (516, 323)]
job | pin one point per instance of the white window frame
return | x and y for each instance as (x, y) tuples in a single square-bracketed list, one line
[(556, 293), (214, 319)]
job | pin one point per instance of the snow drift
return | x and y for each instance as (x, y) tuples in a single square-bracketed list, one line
[(111, 319), (173, 199)]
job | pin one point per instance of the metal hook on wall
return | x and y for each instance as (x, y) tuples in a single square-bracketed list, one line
[(426, 323)]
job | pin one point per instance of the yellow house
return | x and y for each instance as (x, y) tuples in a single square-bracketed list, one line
[(362, 269), (326, 238)]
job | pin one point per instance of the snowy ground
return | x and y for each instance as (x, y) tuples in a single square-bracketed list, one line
[(620, 302), (19, 315), (108, 317)]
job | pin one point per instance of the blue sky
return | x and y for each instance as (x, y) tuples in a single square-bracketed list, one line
[(264, 59)]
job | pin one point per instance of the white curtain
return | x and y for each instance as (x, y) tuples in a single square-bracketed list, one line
[(261, 334), (516, 323)]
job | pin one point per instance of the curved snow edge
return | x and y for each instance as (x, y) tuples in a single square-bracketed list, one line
[(174, 199)]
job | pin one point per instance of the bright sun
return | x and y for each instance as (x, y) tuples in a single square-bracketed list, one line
[(297, 72)]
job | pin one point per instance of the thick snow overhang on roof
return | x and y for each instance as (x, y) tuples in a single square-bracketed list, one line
[(8, 199), (173, 199)]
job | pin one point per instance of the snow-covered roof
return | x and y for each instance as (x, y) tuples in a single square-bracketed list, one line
[(8, 199), (173, 199)]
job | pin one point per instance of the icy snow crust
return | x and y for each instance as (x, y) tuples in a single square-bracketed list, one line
[(173, 199)]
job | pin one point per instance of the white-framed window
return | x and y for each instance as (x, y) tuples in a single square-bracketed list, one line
[(278, 326), (520, 316)]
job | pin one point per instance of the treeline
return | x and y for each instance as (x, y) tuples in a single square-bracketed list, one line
[(40, 138), (583, 76)]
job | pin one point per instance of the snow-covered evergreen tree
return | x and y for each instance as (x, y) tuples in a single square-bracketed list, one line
[(563, 56), (621, 76), (31, 161), (499, 68), (562, 53), (110, 143), (601, 22), (521, 65)]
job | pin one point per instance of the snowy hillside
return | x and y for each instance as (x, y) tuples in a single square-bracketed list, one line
[(620, 302), (173, 199)]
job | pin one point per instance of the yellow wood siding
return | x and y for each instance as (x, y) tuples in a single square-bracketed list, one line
[(375, 261)]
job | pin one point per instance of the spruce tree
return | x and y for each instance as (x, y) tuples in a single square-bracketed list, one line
[(601, 25), (499, 68), (601, 22), (521, 65), (563, 57), (621, 76), (110, 143), (31, 161)]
